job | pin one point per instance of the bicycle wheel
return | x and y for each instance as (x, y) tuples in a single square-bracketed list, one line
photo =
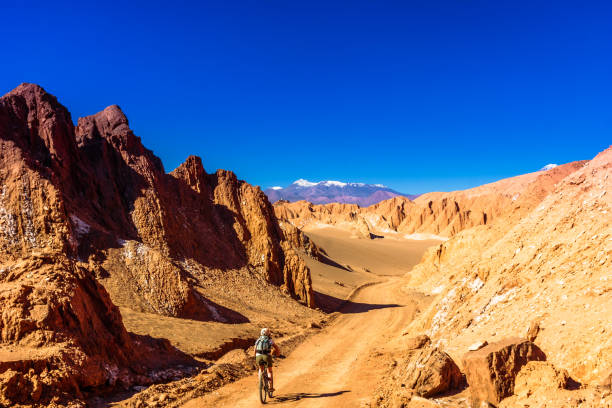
[(263, 386)]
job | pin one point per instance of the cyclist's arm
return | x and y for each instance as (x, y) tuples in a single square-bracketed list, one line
[(276, 349)]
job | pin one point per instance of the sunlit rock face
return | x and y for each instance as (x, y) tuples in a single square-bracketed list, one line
[(90, 219)]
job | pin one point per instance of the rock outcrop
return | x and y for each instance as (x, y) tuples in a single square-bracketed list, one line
[(540, 384), (539, 377), (430, 372), (491, 371), (415, 343), (298, 240), (61, 334), (175, 225), (90, 219), (425, 371)]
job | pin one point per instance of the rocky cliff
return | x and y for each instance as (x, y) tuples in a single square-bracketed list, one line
[(87, 212)]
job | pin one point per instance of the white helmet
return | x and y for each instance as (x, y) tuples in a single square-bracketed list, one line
[(265, 331)]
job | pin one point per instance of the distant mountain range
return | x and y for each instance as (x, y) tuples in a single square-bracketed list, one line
[(330, 191)]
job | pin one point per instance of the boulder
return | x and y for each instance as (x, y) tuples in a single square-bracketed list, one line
[(429, 371), (314, 325), (415, 343), (491, 371), (538, 377), (533, 331)]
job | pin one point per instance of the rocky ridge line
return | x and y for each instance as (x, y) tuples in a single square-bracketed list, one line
[(85, 205), (431, 215)]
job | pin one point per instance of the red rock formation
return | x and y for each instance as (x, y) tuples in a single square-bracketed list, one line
[(426, 371), (59, 330), (540, 377), (91, 203), (298, 240), (491, 371), (61, 334), (430, 372), (214, 220), (116, 194)]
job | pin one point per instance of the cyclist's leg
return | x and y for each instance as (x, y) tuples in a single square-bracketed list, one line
[(271, 377), (270, 373)]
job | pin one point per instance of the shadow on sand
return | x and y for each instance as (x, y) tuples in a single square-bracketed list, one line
[(331, 304), (358, 307), (303, 395), (328, 261)]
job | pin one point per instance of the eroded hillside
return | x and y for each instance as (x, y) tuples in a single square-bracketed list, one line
[(550, 268), (541, 271), (85, 205)]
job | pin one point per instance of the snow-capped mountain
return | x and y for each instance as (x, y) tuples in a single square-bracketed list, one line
[(548, 167), (331, 191)]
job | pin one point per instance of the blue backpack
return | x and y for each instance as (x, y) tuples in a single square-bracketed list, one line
[(263, 345)]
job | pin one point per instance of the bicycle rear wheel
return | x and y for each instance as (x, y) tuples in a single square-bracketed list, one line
[(263, 385)]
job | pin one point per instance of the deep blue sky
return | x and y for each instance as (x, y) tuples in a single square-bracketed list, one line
[(418, 95)]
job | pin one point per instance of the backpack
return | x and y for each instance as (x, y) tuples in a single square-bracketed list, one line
[(263, 345)]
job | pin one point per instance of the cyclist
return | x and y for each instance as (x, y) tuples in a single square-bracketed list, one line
[(264, 348)]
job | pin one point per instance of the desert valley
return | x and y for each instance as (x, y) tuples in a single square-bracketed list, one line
[(124, 285)]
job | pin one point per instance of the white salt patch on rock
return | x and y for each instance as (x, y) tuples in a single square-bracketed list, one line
[(476, 284), (8, 222), (478, 345), (424, 237), (80, 226)]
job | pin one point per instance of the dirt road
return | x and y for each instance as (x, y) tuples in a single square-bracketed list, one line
[(338, 366)]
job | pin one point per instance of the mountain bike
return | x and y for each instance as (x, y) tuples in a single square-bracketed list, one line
[(265, 391), (264, 383)]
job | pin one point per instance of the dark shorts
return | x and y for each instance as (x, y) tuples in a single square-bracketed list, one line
[(264, 358)]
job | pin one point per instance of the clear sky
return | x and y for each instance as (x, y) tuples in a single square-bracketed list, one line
[(418, 95)]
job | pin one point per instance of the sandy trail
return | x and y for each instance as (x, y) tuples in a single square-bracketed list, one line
[(337, 367)]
